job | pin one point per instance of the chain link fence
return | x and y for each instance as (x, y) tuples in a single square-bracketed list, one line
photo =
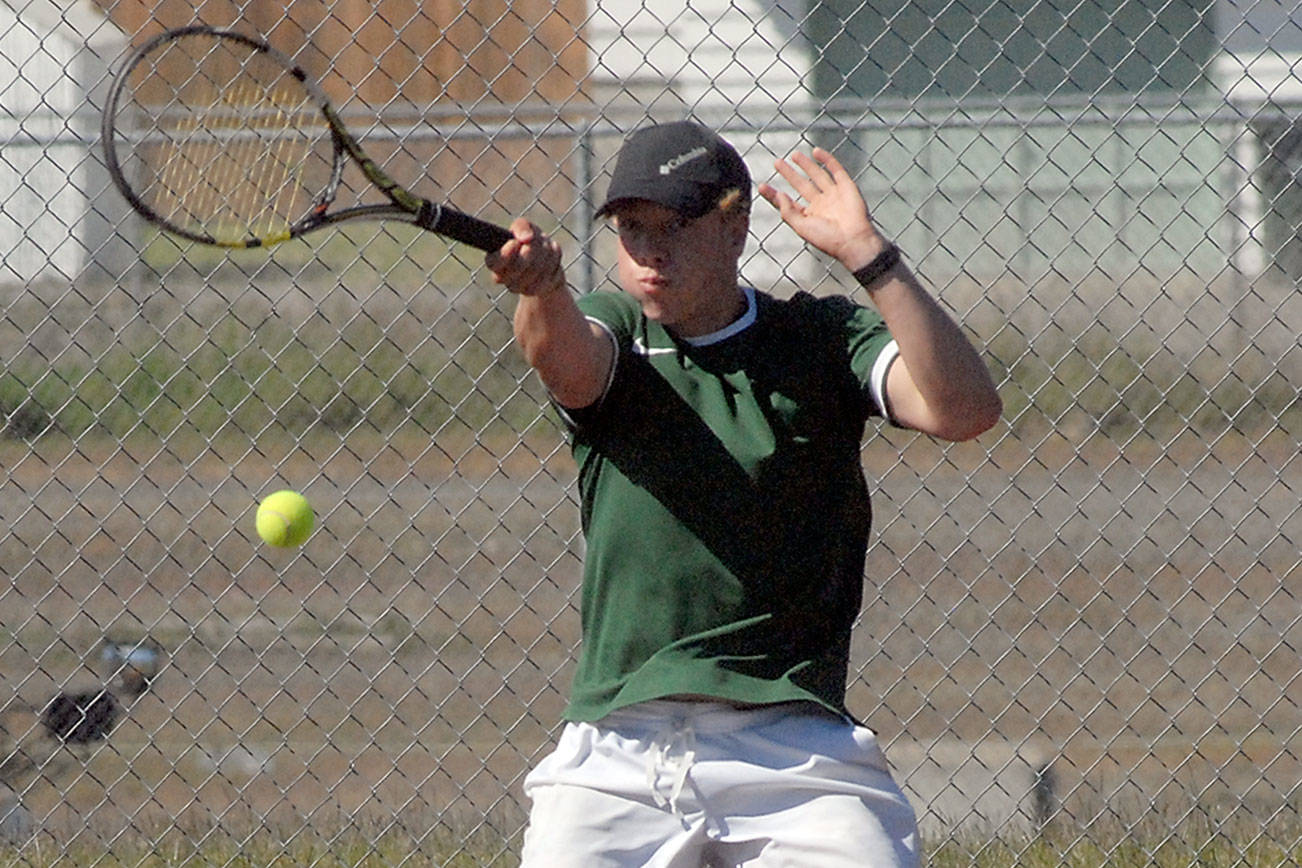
[(1088, 621)]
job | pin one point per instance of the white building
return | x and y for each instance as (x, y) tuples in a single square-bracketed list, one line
[(1259, 70), (57, 213)]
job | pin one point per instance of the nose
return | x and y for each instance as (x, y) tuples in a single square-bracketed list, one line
[(648, 248)]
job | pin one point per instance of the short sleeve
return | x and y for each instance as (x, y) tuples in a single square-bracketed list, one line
[(867, 343), (617, 311), (616, 314)]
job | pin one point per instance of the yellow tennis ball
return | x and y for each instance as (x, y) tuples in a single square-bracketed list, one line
[(285, 519)]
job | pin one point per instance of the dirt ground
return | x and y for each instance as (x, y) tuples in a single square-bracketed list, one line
[(1126, 617)]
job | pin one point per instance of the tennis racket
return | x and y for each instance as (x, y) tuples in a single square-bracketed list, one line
[(219, 138)]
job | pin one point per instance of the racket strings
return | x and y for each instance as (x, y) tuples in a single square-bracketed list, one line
[(234, 147)]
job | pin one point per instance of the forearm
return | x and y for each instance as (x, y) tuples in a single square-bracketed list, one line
[(560, 344), (552, 333), (944, 387)]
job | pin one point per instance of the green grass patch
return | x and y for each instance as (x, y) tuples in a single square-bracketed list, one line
[(247, 375), (216, 846), (380, 327), (1150, 849), (1147, 843), (246, 370), (1090, 383)]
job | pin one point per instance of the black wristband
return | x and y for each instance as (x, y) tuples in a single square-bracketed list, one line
[(881, 263)]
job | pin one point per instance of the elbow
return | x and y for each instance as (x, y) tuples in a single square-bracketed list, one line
[(988, 416), (977, 417)]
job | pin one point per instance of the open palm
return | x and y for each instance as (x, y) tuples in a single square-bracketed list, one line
[(830, 213)]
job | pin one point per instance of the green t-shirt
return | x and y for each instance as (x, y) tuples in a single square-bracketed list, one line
[(724, 505)]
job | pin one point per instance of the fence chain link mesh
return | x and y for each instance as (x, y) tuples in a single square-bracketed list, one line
[(1083, 628)]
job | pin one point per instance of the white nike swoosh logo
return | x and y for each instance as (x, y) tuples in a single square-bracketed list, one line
[(643, 350)]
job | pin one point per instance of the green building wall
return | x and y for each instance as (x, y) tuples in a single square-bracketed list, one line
[(1010, 143)]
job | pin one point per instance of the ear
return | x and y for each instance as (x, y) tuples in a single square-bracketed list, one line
[(738, 227)]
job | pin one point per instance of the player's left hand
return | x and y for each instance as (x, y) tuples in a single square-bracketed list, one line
[(832, 215)]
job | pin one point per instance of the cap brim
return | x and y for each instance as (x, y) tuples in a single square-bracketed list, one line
[(688, 199)]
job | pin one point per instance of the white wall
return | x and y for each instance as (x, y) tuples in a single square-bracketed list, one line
[(55, 214), (1259, 64)]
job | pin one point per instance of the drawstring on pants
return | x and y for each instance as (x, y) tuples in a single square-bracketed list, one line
[(673, 751)]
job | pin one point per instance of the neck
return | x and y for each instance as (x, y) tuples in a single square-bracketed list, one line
[(732, 306)]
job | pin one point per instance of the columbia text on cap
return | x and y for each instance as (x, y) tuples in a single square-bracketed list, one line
[(681, 165)]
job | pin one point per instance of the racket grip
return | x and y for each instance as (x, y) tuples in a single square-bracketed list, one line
[(460, 226)]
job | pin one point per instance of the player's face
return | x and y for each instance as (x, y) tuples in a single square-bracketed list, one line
[(682, 271)]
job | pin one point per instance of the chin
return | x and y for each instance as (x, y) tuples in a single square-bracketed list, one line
[(654, 312)]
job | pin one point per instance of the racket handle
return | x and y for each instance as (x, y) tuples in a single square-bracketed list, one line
[(460, 226)]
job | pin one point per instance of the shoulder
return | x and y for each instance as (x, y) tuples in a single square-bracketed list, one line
[(839, 335), (824, 315), (612, 308)]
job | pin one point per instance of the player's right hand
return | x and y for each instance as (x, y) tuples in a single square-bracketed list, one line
[(530, 263)]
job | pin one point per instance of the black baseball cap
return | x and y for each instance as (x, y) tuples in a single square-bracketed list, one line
[(682, 165)]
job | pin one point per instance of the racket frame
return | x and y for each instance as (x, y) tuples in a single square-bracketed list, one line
[(403, 205)]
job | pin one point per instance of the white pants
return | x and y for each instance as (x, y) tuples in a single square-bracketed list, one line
[(689, 784)]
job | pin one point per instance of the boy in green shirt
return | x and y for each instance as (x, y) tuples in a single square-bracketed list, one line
[(717, 433)]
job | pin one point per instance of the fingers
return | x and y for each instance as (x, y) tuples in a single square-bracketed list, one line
[(784, 203), (835, 170), (524, 232), (827, 209), (528, 264), (800, 182), (819, 174)]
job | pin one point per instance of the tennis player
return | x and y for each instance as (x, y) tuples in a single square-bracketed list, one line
[(717, 433)]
